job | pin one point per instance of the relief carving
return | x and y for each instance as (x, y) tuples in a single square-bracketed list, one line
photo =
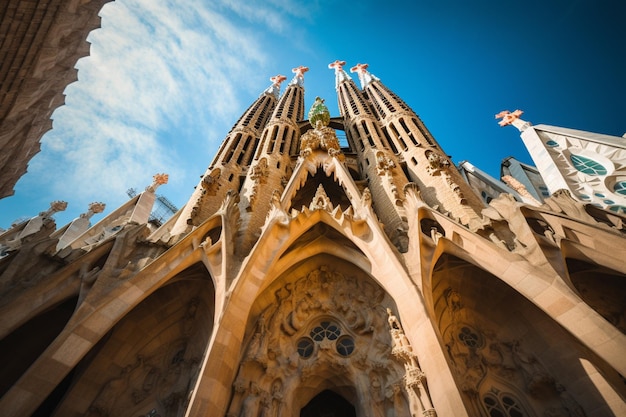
[(479, 357), (436, 162), (324, 320)]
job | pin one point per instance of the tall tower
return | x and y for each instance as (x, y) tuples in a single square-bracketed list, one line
[(379, 165), (428, 166), (230, 164), (271, 167)]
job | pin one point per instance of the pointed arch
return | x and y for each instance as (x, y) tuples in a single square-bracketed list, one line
[(600, 283), (149, 358), (328, 402), (491, 332), (21, 347)]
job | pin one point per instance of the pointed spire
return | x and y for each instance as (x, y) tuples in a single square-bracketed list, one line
[(364, 76), (512, 118), (275, 87), (340, 74), (298, 79)]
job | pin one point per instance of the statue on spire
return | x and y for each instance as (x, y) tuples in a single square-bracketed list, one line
[(512, 118)]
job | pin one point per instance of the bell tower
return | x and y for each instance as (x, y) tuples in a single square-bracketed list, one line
[(231, 162), (379, 165), (427, 165)]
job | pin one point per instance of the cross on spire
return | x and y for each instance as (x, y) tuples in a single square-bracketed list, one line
[(512, 118), (298, 79), (360, 68), (299, 71), (337, 65), (277, 79), (364, 76)]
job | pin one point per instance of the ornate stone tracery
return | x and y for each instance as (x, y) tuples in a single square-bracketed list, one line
[(486, 363), (325, 322)]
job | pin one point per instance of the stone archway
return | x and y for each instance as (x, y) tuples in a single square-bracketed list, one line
[(328, 404), (505, 352), (20, 348), (603, 289), (325, 326), (149, 360)]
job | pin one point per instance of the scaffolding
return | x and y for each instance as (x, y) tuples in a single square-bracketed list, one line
[(163, 208)]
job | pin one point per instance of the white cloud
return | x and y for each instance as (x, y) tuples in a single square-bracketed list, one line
[(155, 67)]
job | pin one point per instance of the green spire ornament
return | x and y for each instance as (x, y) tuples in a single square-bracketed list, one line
[(319, 112)]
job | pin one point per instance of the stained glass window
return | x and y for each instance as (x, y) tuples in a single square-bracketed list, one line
[(620, 187), (587, 166)]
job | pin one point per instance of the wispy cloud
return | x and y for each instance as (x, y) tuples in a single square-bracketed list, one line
[(155, 68)]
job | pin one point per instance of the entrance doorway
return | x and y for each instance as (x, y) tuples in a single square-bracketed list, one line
[(328, 404)]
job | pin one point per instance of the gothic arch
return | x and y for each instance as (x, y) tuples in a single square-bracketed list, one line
[(328, 402), (603, 289), (149, 359), (20, 348), (490, 331), (339, 312)]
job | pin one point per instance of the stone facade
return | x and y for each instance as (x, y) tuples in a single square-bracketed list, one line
[(304, 278), (40, 43)]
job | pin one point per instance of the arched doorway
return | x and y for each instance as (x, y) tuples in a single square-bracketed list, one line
[(328, 404), (502, 349), (322, 327)]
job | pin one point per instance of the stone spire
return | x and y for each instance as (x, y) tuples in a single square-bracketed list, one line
[(340, 74), (364, 76)]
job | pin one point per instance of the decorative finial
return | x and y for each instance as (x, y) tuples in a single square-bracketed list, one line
[(157, 179), (340, 74), (278, 79), (364, 76), (319, 113), (55, 207), (298, 79), (275, 87), (360, 68), (512, 118), (94, 208), (337, 65)]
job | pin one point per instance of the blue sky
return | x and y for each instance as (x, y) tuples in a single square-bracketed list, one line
[(166, 80)]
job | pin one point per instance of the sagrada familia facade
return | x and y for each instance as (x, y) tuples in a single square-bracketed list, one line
[(311, 276)]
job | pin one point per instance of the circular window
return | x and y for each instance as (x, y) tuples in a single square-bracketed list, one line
[(584, 197), (608, 202), (599, 195), (587, 166), (552, 143), (620, 187), (326, 329), (345, 346), (469, 337), (305, 347)]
